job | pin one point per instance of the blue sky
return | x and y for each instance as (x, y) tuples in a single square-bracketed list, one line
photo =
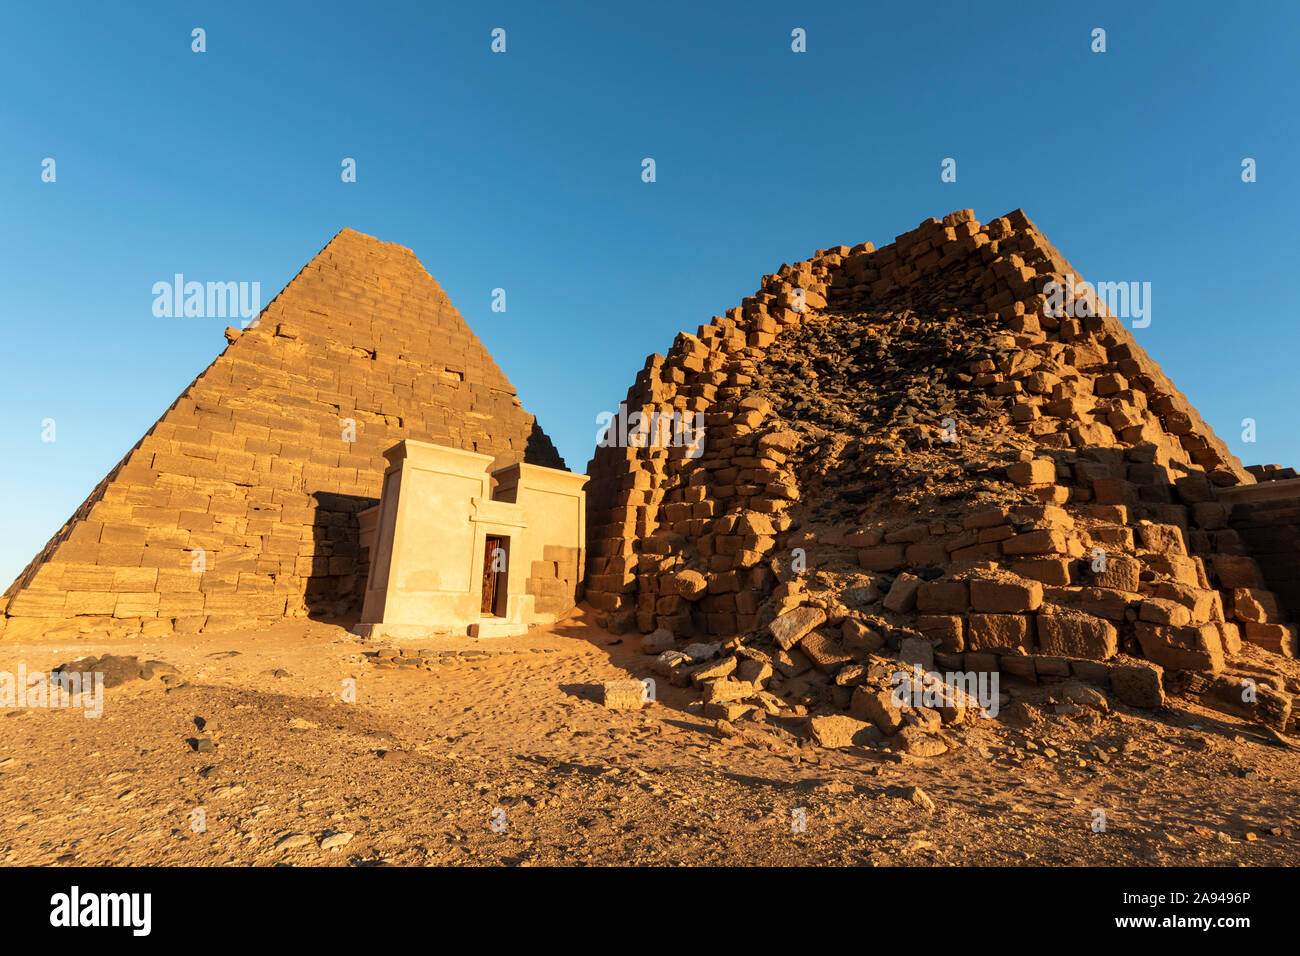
[(522, 171)]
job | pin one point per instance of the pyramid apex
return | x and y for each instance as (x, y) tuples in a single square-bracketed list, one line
[(348, 236)]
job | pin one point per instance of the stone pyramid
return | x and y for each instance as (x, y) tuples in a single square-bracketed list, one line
[(913, 451), (240, 503)]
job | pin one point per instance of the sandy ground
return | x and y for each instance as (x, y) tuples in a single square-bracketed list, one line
[(512, 760)]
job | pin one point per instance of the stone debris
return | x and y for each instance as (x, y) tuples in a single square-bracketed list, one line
[(658, 641), (914, 457), (701, 651), (431, 658), (920, 798), (294, 841), (623, 694), (836, 730), (116, 669), (335, 841)]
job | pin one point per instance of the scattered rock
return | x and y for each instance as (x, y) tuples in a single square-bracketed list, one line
[(658, 641), (787, 629), (1138, 685), (837, 730), (116, 670), (623, 694), (920, 798), (691, 584), (335, 841), (701, 651), (294, 841)]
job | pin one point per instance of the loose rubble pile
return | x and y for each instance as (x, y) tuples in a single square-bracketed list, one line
[(116, 669), (1272, 472), (428, 658), (913, 458)]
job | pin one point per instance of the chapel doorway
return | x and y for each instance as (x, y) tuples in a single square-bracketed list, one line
[(496, 561)]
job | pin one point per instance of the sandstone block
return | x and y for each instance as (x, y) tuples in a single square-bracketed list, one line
[(791, 663), (657, 642), (1039, 471), (859, 639), (729, 712), (941, 596), (1162, 538), (724, 691), (885, 557), (789, 628), (825, 654), (1194, 647), (877, 706), (1138, 684), (1278, 638), (1044, 570), (1162, 611), (691, 584), (1182, 569), (714, 670), (668, 662), (1236, 571), (987, 632), (902, 593), (981, 662), (624, 694), (1065, 633), (1036, 542), (838, 730), (1005, 596), (1019, 666), (947, 629), (1254, 605), (754, 672), (1230, 634), (916, 650), (1121, 572)]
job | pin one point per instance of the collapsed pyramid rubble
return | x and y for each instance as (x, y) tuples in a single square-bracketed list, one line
[(239, 506), (909, 458)]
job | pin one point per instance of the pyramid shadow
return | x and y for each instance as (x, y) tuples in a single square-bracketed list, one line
[(336, 586)]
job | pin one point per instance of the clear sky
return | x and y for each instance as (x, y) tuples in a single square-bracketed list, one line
[(522, 170)]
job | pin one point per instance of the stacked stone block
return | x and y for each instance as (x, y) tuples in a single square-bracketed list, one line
[(556, 579), (1000, 269), (1123, 551), (1264, 521)]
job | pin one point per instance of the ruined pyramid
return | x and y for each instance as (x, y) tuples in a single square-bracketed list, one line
[(240, 503), (915, 455)]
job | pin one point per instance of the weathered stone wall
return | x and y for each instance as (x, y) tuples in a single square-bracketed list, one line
[(1266, 518), (643, 503), (250, 475), (910, 460), (1094, 452)]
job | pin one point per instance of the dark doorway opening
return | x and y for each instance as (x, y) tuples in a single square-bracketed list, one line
[(496, 561)]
